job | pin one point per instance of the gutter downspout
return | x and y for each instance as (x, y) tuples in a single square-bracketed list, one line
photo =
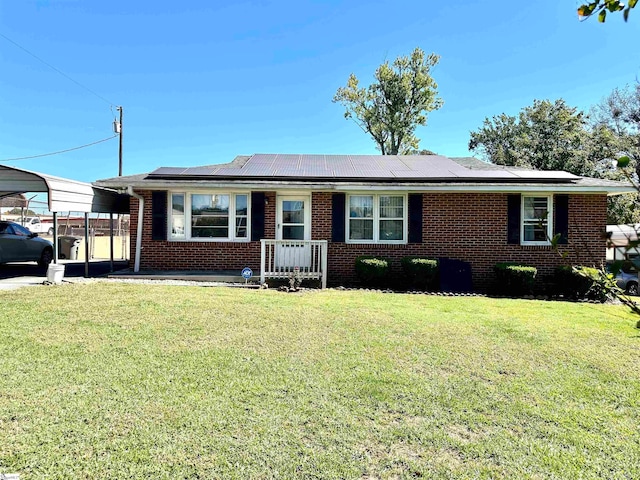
[(136, 263)]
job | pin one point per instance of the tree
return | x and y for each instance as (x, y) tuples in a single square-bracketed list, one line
[(619, 115), (544, 136), (18, 211), (398, 101), (555, 136), (422, 151), (601, 7)]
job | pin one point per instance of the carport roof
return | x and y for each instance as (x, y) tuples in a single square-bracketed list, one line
[(63, 195)]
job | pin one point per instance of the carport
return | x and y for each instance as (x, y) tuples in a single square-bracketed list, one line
[(64, 195)]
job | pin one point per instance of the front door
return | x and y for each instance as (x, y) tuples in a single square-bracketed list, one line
[(293, 220)]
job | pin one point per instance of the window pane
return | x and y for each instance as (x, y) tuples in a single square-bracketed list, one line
[(391, 230), (360, 229), (535, 208), (292, 232), (177, 226), (361, 206), (209, 204), (210, 232), (177, 215), (241, 227), (391, 207), (177, 203), (241, 204), (210, 216), (292, 211), (210, 221), (535, 233)]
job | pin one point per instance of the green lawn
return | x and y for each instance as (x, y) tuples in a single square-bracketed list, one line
[(112, 380)]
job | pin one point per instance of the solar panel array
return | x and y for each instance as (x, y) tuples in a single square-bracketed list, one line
[(391, 167)]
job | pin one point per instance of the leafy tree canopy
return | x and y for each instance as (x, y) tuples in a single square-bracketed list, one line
[(554, 136), (545, 136), (601, 7), (398, 101), (18, 211)]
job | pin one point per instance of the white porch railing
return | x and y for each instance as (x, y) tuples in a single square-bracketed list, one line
[(282, 258)]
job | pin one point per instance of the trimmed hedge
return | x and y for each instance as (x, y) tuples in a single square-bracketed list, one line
[(421, 272), (372, 271), (514, 280)]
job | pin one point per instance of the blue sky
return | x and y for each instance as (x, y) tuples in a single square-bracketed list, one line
[(204, 81)]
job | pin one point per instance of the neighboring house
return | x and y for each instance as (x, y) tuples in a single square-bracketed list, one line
[(214, 217), (622, 242)]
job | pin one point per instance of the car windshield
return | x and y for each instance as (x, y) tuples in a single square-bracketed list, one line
[(20, 230)]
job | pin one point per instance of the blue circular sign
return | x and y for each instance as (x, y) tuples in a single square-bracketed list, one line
[(247, 273)]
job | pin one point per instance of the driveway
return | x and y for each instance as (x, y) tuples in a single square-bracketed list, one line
[(16, 275)]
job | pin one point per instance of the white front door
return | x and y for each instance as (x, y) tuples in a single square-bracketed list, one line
[(293, 225)]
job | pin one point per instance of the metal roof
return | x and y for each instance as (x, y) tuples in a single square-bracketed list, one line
[(64, 195), (352, 167)]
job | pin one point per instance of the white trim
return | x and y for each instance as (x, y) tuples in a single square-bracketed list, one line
[(306, 198), (376, 218), (412, 187), (549, 219)]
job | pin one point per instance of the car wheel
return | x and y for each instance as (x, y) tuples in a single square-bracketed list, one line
[(632, 288), (46, 258), (50, 231)]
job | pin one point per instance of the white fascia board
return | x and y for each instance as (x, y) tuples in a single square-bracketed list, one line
[(353, 186)]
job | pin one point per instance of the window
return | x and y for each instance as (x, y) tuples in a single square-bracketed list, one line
[(177, 215), (209, 216), (376, 218), (536, 228)]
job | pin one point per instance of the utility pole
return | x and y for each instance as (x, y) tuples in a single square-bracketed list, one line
[(119, 131)]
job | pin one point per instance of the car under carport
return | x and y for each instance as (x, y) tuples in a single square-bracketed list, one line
[(65, 195)]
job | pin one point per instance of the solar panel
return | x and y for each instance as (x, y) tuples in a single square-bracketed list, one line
[(426, 167)]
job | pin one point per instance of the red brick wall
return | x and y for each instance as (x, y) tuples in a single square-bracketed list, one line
[(472, 227), (465, 226), (170, 255)]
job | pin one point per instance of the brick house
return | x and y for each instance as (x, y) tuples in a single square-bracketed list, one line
[(263, 209)]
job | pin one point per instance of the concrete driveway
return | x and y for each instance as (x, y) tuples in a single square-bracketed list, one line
[(16, 275)]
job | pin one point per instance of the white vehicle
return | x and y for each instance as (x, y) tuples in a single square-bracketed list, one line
[(35, 225)]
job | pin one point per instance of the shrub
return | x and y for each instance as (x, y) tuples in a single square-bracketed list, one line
[(372, 271), (515, 280), (420, 272), (581, 283)]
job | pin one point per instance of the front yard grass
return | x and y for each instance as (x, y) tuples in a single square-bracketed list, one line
[(112, 380)]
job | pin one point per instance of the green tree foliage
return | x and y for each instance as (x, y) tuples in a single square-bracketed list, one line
[(18, 211), (422, 151), (601, 7), (616, 120), (545, 136), (554, 136), (398, 101)]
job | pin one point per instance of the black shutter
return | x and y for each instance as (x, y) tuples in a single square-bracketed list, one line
[(561, 215), (338, 217), (159, 215), (513, 223), (257, 216), (415, 218)]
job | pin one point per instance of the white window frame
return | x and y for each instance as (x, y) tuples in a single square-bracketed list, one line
[(524, 221), (187, 216), (376, 218)]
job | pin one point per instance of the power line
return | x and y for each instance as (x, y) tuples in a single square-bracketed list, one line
[(59, 71), (56, 153)]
